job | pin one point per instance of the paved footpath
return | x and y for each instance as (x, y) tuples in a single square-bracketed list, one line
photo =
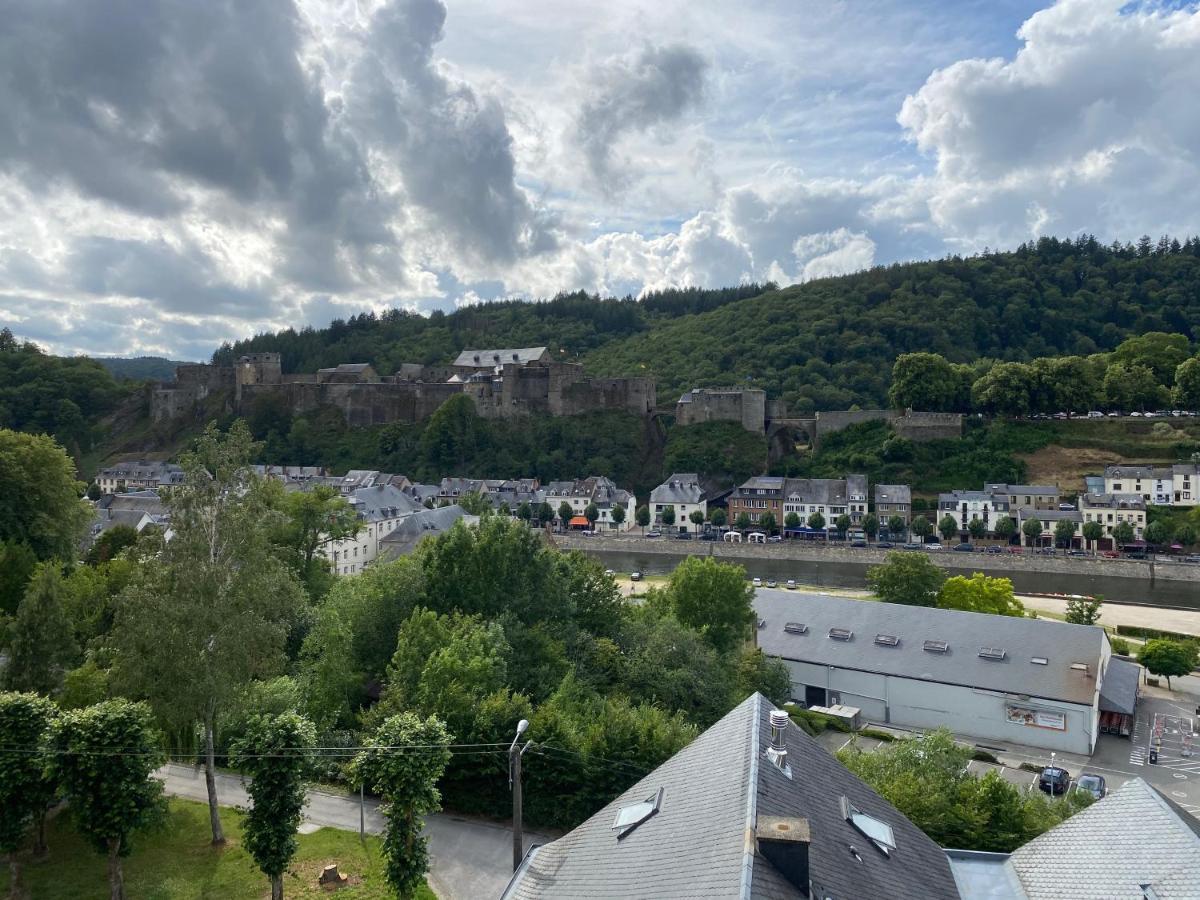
[(1184, 621), (469, 858)]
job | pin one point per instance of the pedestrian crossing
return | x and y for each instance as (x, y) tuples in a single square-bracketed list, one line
[(1137, 750)]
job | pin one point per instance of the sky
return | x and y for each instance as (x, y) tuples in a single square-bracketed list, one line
[(176, 174)]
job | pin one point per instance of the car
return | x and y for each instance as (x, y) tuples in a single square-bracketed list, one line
[(609, 572), (914, 545), (1114, 415), (757, 582), (683, 536), (993, 549), (1111, 554), (1192, 558), (1095, 414), (791, 584), (931, 547), (885, 545), (1077, 553), (1054, 780), (1067, 507), (1136, 555), (1046, 551), (653, 534), (964, 548), (771, 583), (1092, 784), (709, 536), (635, 576), (774, 539), (858, 543), (1013, 549)]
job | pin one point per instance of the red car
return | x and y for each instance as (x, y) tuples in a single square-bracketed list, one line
[(1111, 554), (1016, 549)]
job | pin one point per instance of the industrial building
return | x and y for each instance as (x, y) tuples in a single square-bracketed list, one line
[(1000, 678)]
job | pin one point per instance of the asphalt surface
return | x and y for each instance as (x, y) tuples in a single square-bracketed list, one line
[(469, 859)]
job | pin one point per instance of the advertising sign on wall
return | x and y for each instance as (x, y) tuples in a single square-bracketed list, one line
[(1036, 718)]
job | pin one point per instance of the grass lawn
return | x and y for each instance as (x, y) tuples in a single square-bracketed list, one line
[(176, 862)]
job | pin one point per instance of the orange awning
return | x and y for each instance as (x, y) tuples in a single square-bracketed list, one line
[(579, 521)]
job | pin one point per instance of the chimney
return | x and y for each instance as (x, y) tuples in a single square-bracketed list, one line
[(784, 842), (777, 752)]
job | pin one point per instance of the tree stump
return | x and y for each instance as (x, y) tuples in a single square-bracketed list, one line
[(330, 877)]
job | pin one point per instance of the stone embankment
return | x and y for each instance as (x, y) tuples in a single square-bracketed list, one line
[(1149, 570)]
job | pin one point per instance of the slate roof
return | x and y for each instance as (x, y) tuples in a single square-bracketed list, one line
[(404, 538), (822, 491), (965, 632), (382, 501), (487, 359), (1113, 501), (1119, 690), (1135, 836), (679, 488), (1041, 490), (893, 493), (701, 844), (1144, 473)]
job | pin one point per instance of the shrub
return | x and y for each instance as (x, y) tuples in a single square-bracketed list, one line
[(1120, 646)]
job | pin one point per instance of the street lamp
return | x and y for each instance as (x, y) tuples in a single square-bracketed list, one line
[(514, 782)]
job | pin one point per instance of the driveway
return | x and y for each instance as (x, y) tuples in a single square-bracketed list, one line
[(468, 858)]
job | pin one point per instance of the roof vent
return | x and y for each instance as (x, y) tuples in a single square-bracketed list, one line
[(841, 634), (992, 653), (887, 640), (1039, 660), (779, 721), (936, 646), (795, 628), (1080, 667), (762, 623)]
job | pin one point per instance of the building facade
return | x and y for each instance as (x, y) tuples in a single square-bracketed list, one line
[(1112, 509), (138, 476), (683, 495)]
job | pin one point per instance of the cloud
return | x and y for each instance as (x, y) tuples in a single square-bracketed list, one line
[(654, 86)]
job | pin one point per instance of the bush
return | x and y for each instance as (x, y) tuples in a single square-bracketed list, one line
[(1031, 767), (984, 756), (1120, 646), (886, 736), (818, 721)]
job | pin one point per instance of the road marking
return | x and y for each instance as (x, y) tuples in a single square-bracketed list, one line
[(1181, 775), (1179, 794)]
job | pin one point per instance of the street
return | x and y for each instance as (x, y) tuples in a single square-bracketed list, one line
[(469, 858)]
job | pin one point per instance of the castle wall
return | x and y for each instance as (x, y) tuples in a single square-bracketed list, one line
[(746, 407), (929, 426)]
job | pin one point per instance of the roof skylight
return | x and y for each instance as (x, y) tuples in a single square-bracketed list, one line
[(795, 628), (630, 817), (887, 640), (1039, 660), (876, 830), (992, 652), (937, 646), (841, 634)]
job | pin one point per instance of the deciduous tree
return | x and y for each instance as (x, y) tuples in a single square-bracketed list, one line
[(696, 517), (767, 522), (714, 598), (896, 526), (1187, 384), (921, 527), (25, 790), (42, 506), (1092, 532), (1032, 529), (43, 641), (1005, 527), (1084, 610), (642, 517), (1157, 532), (1064, 532), (718, 517), (564, 514), (842, 523), (1168, 658), (591, 513), (907, 578), (816, 522), (1122, 533), (668, 516), (924, 381), (977, 528), (870, 526), (980, 593), (792, 520), (948, 526)]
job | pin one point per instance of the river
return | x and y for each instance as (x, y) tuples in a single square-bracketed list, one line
[(1162, 593)]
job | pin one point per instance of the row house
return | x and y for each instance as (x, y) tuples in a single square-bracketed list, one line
[(1049, 519), (683, 494), (966, 506), (831, 497), (583, 492), (1176, 485), (1112, 509), (380, 510), (141, 475), (756, 496), (893, 500), (1019, 496)]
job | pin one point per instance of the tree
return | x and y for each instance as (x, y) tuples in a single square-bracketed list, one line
[(618, 515), (403, 764), (1187, 384), (1092, 532), (591, 513), (769, 675), (25, 792), (1185, 534), (1157, 532), (312, 519), (948, 526), (1170, 658), (1122, 533), (110, 796), (921, 527), (43, 641), (1005, 527), (870, 526), (924, 381), (842, 523), (525, 512), (545, 513), (1064, 532), (42, 506), (276, 752), (718, 517), (209, 611), (564, 514), (792, 520), (980, 593), (668, 516), (1132, 387), (1157, 351), (1032, 529), (816, 522), (642, 517), (1005, 390), (1083, 610), (111, 542), (767, 522), (743, 521), (454, 436), (907, 578), (977, 528), (714, 598), (896, 526), (697, 518), (17, 564)]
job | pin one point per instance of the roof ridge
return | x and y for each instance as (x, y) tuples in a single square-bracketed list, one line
[(751, 801)]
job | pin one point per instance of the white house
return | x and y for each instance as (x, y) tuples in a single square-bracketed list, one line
[(141, 475), (598, 490), (831, 497), (1155, 484), (681, 493), (1112, 509), (966, 506), (379, 509)]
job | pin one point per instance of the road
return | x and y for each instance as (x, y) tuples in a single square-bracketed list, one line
[(469, 859)]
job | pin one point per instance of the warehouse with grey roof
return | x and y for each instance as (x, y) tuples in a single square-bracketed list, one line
[(1026, 681)]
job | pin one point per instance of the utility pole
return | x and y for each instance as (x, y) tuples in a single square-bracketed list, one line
[(514, 781)]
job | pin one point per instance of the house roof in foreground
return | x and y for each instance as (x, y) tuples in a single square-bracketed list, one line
[(701, 843)]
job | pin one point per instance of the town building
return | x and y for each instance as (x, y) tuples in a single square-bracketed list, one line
[(757, 495), (1134, 844), (379, 508), (893, 500), (683, 494), (965, 507), (412, 529), (1176, 485), (1037, 496), (753, 808), (831, 497), (582, 493), (292, 475), (1112, 509), (1049, 519), (1003, 678), (141, 475)]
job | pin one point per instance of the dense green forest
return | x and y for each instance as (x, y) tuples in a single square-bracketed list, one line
[(826, 344), (139, 368)]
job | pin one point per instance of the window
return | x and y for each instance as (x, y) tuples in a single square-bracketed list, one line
[(630, 817), (875, 830), (936, 646), (887, 640), (992, 653), (1038, 660), (841, 634), (795, 628)]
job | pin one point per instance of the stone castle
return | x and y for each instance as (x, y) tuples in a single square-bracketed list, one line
[(502, 384)]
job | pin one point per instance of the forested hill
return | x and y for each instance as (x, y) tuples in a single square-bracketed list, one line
[(825, 344)]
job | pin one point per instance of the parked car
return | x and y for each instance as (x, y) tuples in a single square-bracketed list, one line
[(791, 584), (635, 576), (1077, 553), (774, 539), (1111, 554), (1066, 507), (771, 583), (1054, 780), (1095, 414), (709, 536), (1013, 549), (609, 572), (993, 549), (653, 534), (1137, 555), (931, 547), (757, 582), (858, 543), (1092, 784), (885, 545), (964, 548), (683, 536)]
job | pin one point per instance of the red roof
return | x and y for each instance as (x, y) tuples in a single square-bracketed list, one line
[(579, 520)]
